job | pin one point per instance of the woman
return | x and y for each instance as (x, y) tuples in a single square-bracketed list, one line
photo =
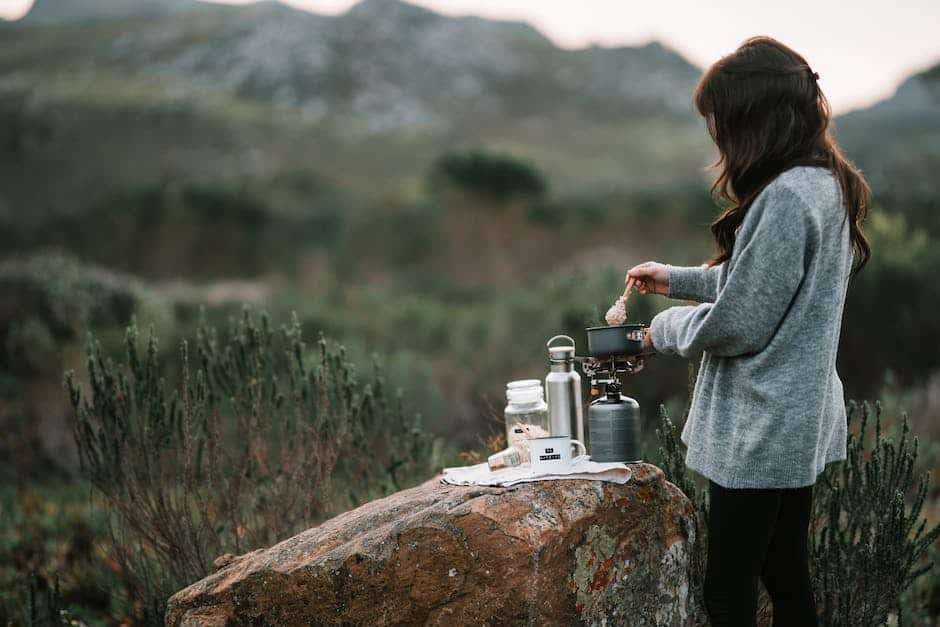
[(767, 410)]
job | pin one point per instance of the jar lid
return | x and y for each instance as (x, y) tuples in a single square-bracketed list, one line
[(523, 383), (524, 391)]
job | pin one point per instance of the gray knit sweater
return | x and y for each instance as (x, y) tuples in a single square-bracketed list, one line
[(767, 408)]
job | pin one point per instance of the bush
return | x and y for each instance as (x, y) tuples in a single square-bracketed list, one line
[(22, 130), (50, 569), (870, 544), (868, 539), (890, 320), (258, 440), (184, 228), (50, 302), (672, 462), (497, 176)]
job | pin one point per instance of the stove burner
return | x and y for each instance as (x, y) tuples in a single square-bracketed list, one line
[(609, 369)]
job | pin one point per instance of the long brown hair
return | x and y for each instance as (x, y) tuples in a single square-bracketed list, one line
[(766, 113)]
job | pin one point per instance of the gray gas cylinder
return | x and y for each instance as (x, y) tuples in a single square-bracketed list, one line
[(614, 427)]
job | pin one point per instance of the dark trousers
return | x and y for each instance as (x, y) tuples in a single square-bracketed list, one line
[(759, 533)]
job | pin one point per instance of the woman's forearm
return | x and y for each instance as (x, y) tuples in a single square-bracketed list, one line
[(695, 283)]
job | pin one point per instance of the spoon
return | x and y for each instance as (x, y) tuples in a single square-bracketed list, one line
[(626, 292)]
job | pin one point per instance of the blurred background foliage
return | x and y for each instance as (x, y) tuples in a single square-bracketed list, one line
[(436, 208)]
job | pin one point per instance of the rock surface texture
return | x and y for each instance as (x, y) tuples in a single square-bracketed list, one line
[(543, 553)]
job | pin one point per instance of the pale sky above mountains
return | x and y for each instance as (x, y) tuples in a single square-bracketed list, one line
[(862, 50)]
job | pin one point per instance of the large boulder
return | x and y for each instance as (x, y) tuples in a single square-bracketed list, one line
[(544, 553)]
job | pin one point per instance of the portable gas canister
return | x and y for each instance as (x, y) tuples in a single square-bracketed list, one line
[(614, 426)]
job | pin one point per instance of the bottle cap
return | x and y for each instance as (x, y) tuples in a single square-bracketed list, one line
[(561, 353), (565, 352)]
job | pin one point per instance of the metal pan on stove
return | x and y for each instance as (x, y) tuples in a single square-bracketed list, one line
[(625, 339)]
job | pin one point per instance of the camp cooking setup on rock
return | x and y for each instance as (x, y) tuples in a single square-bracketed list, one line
[(546, 434)]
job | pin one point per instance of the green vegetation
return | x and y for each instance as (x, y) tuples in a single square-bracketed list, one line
[(871, 545), (888, 319), (160, 230), (450, 258), (452, 324), (257, 440), (497, 177)]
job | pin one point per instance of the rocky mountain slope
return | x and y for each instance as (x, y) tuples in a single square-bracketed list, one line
[(114, 95), (897, 141), (70, 12), (225, 90), (387, 63)]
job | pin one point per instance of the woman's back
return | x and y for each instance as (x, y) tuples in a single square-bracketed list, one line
[(767, 408)]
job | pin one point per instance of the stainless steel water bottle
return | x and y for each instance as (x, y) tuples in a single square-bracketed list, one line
[(563, 391), (614, 424)]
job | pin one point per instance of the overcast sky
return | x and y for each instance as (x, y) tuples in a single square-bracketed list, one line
[(862, 49)]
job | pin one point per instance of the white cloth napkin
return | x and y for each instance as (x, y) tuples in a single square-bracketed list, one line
[(581, 468)]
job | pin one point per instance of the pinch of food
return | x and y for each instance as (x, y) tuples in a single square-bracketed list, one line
[(617, 314)]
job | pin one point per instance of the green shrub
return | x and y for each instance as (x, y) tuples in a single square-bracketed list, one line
[(50, 572), (672, 461), (22, 130), (497, 176), (49, 303), (548, 213), (184, 228), (890, 319), (869, 541), (585, 210), (257, 440)]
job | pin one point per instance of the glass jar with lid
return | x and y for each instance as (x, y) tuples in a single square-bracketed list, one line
[(526, 412)]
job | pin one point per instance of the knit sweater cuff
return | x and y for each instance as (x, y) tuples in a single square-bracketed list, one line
[(658, 335), (689, 283)]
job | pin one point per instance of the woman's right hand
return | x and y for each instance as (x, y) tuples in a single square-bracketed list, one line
[(650, 278)]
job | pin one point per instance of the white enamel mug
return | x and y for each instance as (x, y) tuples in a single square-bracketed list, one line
[(552, 454)]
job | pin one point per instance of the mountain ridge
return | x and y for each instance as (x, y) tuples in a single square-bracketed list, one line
[(65, 12), (896, 141), (387, 63), (387, 67)]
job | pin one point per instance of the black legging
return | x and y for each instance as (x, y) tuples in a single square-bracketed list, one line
[(759, 533)]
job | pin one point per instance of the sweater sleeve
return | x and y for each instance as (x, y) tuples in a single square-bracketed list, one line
[(766, 269), (698, 283)]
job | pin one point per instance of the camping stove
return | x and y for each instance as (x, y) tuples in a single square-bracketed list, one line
[(610, 369), (613, 419)]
